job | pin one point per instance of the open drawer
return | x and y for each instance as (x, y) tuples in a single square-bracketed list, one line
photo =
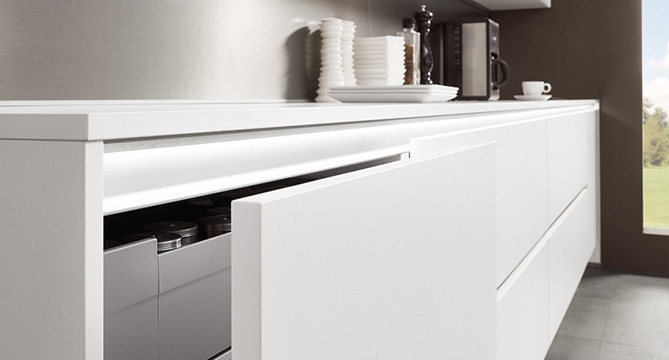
[(131, 302), (194, 300), (174, 305), (369, 264)]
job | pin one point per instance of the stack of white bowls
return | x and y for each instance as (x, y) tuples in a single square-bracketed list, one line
[(332, 71), (379, 61), (347, 53)]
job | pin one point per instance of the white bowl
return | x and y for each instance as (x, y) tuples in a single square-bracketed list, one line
[(330, 82), (332, 20), (331, 31)]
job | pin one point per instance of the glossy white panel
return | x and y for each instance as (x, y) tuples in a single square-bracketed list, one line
[(368, 265), (593, 180)]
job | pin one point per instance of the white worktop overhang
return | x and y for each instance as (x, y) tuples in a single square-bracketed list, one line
[(119, 120)]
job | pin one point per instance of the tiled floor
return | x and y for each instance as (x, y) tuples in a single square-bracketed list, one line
[(615, 316)]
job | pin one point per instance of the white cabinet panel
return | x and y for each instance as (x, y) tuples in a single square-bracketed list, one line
[(374, 264), (51, 290), (522, 310), (570, 150), (522, 187), (571, 245)]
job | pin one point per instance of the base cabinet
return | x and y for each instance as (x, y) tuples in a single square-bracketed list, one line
[(397, 257)]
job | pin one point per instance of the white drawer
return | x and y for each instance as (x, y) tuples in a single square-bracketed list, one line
[(570, 153), (522, 186), (522, 309), (571, 245)]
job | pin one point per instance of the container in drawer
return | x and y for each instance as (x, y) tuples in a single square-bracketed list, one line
[(194, 301), (131, 301), (189, 263)]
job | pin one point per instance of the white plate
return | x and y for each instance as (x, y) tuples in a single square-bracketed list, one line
[(532, 97), (402, 88), (371, 93), (392, 92), (392, 97)]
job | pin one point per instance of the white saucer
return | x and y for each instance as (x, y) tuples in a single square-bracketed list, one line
[(532, 97)]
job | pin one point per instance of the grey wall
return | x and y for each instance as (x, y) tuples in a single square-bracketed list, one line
[(179, 49)]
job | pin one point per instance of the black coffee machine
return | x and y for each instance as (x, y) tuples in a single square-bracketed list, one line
[(468, 57)]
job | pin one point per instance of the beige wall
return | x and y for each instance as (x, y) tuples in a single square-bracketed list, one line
[(178, 49), (592, 49)]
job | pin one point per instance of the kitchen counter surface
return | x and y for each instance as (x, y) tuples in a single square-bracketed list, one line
[(118, 120)]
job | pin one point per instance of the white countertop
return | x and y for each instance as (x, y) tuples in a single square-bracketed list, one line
[(113, 120)]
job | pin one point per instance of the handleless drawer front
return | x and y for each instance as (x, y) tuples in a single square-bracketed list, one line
[(522, 187), (131, 302), (571, 246), (522, 309), (368, 264), (194, 301), (571, 148)]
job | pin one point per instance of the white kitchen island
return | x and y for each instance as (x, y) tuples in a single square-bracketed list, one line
[(457, 230)]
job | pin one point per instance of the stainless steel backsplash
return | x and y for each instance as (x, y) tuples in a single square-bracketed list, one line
[(179, 49)]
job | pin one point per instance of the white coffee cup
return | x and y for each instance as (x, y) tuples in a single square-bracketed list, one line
[(533, 88)]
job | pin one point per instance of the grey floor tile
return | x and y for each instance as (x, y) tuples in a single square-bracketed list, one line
[(571, 348), (598, 283), (642, 289), (638, 323), (611, 351), (586, 318)]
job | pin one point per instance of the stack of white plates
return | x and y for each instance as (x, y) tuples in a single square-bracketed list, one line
[(379, 61), (332, 73), (348, 34), (401, 93)]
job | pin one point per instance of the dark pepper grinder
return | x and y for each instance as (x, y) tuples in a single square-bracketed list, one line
[(423, 20)]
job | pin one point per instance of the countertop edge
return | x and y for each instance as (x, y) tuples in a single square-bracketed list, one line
[(115, 121)]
